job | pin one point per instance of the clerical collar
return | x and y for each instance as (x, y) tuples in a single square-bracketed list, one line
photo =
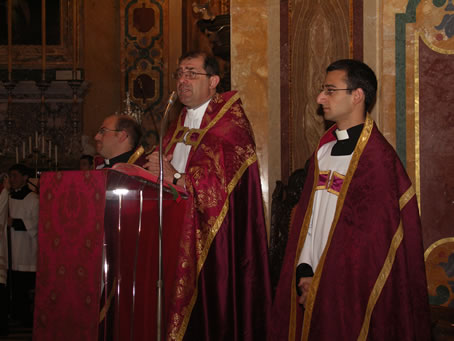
[(341, 134), (346, 140), (20, 194), (122, 158), (199, 111)]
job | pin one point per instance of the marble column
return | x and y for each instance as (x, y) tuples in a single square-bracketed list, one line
[(255, 74)]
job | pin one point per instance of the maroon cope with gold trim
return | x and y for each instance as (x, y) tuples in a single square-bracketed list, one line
[(370, 283), (222, 289)]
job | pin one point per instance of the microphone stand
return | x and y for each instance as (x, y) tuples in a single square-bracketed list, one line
[(172, 99)]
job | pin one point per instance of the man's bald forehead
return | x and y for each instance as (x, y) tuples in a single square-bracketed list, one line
[(112, 119)]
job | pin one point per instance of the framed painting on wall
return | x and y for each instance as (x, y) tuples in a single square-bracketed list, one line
[(62, 25)]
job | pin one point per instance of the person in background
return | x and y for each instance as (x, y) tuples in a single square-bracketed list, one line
[(23, 224), (86, 162), (4, 298)]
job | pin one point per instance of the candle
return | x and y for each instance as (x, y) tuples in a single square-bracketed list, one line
[(36, 139), (43, 142), (56, 154), (23, 149), (50, 149), (43, 37), (74, 39), (30, 144), (10, 38), (17, 155)]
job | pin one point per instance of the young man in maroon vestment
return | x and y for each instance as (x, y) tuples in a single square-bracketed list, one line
[(222, 289), (354, 267)]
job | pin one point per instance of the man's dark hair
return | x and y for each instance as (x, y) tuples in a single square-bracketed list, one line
[(131, 127), (359, 75), (21, 169), (210, 63), (87, 157)]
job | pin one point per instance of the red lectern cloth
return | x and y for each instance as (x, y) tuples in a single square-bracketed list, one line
[(141, 313), (76, 211), (70, 236)]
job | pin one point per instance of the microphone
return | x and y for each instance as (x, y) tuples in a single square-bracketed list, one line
[(173, 97), (140, 149)]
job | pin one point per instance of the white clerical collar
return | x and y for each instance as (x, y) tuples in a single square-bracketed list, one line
[(341, 134), (199, 111)]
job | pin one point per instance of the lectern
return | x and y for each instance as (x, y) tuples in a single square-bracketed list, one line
[(97, 255)]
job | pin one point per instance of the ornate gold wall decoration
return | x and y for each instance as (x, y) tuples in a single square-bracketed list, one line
[(144, 52), (439, 258), (435, 23), (424, 77)]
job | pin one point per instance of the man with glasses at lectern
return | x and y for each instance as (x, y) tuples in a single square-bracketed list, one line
[(117, 140)]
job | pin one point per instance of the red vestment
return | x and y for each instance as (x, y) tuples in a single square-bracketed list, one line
[(222, 289), (370, 283)]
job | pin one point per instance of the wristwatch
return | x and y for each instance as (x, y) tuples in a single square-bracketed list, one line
[(176, 177)]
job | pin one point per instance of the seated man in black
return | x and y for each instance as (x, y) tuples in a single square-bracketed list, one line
[(117, 140)]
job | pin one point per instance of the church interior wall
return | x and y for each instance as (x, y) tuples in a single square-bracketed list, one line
[(101, 63), (255, 75)]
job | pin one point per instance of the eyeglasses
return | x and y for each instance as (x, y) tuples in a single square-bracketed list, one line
[(188, 74), (103, 130), (330, 91)]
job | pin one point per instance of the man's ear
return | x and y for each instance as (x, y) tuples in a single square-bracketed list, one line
[(214, 81), (358, 96), (123, 135)]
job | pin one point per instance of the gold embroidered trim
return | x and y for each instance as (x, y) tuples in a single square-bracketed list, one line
[(203, 131), (187, 314), (107, 304), (405, 198), (362, 142), (174, 139), (387, 266), (302, 239), (381, 280), (212, 234), (417, 125), (338, 176), (139, 151), (328, 173)]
